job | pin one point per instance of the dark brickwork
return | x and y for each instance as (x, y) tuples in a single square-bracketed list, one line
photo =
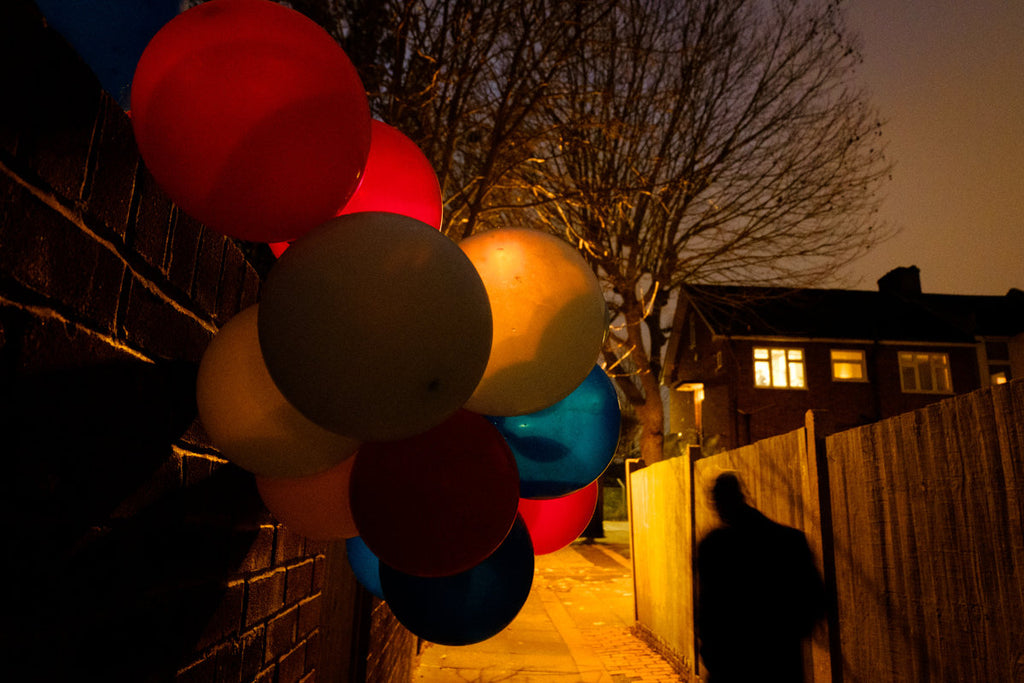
[(389, 660), (137, 553)]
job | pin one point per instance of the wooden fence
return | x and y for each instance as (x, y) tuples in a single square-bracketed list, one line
[(661, 533), (917, 524), (929, 541)]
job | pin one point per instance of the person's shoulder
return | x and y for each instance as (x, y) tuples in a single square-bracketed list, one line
[(792, 536), (715, 538), (781, 532), (717, 532)]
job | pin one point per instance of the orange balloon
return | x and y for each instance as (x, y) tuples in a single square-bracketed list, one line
[(316, 507), (549, 316)]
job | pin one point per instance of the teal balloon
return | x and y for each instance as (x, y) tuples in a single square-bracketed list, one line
[(565, 447), (468, 607), (110, 35), (364, 564)]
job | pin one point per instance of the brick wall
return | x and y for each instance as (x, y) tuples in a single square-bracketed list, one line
[(390, 655), (137, 553)]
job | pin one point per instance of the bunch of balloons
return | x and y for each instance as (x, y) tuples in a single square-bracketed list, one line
[(437, 404)]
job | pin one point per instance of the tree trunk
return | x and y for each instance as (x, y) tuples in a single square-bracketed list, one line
[(651, 415)]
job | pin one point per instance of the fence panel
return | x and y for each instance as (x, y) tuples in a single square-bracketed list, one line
[(780, 478), (927, 511), (661, 522), (921, 539)]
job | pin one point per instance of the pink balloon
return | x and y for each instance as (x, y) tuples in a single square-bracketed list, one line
[(398, 179), (554, 523)]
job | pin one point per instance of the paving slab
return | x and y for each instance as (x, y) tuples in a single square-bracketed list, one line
[(576, 626)]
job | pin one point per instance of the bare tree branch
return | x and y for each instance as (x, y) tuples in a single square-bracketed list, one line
[(713, 141)]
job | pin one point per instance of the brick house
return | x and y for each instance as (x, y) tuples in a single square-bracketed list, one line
[(746, 363)]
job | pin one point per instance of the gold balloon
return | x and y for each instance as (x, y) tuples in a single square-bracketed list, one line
[(549, 320), (249, 419)]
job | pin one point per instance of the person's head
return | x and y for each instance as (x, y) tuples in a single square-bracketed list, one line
[(727, 495)]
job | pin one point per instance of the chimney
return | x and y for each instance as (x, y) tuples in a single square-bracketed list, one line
[(904, 280)]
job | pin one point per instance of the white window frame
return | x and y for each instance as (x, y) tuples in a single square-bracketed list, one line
[(936, 364), (862, 362), (784, 367)]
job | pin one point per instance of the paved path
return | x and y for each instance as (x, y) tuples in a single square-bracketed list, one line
[(575, 627)]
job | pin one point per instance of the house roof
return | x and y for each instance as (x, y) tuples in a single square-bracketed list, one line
[(856, 314)]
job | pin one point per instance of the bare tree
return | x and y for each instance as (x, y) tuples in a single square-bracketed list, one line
[(673, 142), (709, 141), (466, 80)]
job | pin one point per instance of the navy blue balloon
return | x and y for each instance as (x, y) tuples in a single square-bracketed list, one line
[(565, 447), (110, 35), (365, 565), (468, 607)]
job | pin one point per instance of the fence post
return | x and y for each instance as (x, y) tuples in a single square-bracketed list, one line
[(694, 454), (826, 656), (630, 463)]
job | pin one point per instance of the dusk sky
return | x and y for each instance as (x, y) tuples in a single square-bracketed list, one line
[(948, 79)]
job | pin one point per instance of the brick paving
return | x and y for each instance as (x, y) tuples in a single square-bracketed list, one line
[(627, 658)]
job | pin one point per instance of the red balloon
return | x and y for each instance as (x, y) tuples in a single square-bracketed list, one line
[(317, 506), (398, 179), (252, 118), (438, 503), (554, 523)]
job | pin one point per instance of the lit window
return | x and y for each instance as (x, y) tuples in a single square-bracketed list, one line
[(925, 373), (1000, 377), (779, 368), (849, 366)]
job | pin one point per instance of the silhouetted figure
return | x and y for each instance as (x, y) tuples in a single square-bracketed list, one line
[(595, 527), (759, 594)]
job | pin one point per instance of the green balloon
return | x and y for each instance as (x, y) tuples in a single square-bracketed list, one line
[(375, 326)]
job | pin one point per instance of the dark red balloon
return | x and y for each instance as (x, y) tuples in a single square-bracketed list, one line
[(554, 523), (437, 503), (398, 179), (252, 118)]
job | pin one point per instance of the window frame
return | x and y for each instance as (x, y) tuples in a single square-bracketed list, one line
[(863, 365), (998, 373), (915, 363), (792, 357)]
